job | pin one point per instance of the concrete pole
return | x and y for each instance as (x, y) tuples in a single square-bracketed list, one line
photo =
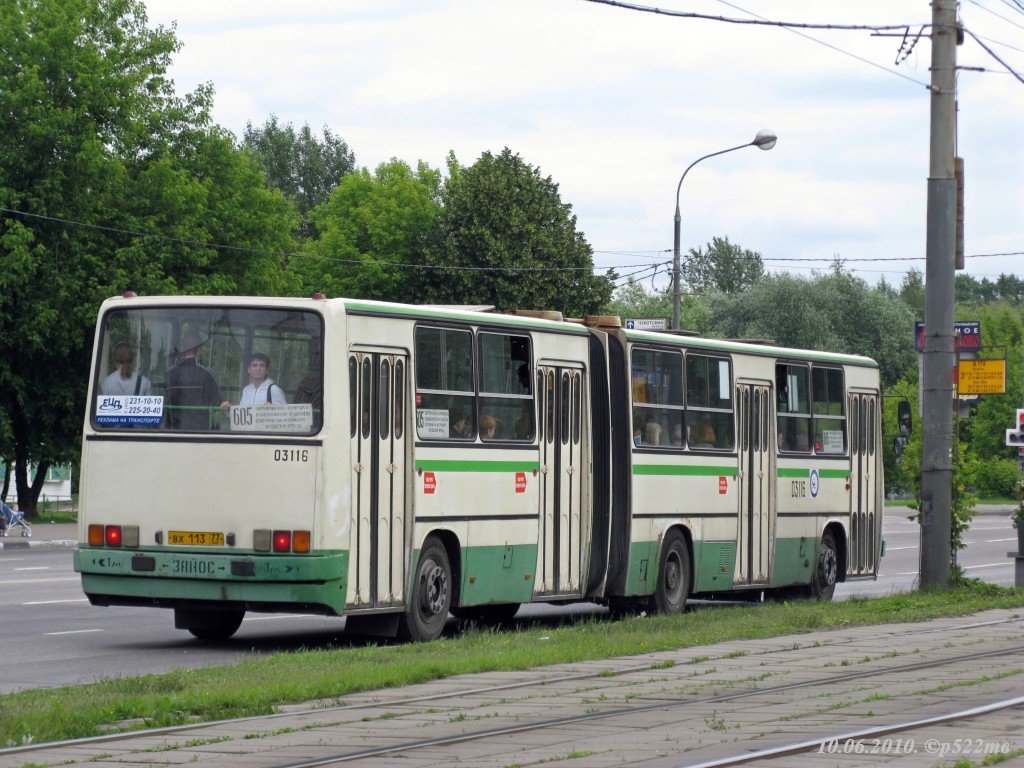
[(938, 356)]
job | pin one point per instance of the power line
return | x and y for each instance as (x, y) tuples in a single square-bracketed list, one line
[(989, 10), (760, 21), (639, 269), (992, 53), (790, 28)]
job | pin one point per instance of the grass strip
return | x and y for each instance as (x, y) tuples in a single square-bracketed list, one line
[(328, 674)]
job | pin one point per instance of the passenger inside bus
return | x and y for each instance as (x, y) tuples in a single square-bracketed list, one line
[(261, 390), (702, 434), (125, 380), (638, 430), (192, 389), (488, 428), (461, 427)]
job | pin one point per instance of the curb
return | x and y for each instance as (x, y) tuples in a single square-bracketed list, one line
[(26, 542)]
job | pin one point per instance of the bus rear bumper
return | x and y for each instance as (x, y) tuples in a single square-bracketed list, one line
[(311, 584)]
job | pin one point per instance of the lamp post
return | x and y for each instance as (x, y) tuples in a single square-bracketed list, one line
[(765, 139)]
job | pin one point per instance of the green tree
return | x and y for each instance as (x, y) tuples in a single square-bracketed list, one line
[(303, 166), (110, 181), (373, 232), (722, 266), (912, 292), (835, 312), (633, 300), (507, 239)]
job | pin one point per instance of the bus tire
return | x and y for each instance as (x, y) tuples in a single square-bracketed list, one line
[(431, 595), (823, 583), (208, 624), (673, 576)]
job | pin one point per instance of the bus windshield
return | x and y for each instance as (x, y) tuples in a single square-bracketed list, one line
[(202, 369)]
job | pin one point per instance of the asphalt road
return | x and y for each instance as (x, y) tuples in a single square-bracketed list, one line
[(50, 635)]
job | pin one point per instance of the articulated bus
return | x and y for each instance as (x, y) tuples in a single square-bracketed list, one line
[(407, 463)]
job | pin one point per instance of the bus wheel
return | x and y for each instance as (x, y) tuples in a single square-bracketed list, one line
[(208, 625), (431, 595), (673, 576), (823, 585)]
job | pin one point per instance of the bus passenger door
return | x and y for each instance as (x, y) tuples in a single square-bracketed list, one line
[(756, 448), (561, 480), (865, 514), (378, 526)]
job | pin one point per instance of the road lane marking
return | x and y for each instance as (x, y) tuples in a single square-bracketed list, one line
[(988, 565), (55, 602), (72, 632)]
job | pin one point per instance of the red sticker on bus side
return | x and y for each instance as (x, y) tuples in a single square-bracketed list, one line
[(429, 482), (723, 486), (520, 482)]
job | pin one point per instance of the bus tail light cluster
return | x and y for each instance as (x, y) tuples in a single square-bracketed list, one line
[(113, 535), (266, 540)]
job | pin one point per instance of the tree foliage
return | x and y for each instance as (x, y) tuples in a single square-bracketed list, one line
[(969, 290), (373, 233), (110, 181), (507, 239), (305, 167), (722, 266), (834, 312)]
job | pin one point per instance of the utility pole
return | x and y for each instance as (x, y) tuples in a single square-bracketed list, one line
[(938, 357)]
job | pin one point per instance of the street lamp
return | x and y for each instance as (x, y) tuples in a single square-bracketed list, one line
[(765, 139)]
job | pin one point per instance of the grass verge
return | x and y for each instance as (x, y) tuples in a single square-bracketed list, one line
[(261, 686)]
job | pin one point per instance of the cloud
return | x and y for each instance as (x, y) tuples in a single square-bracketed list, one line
[(615, 104)]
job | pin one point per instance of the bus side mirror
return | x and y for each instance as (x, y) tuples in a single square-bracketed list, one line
[(905, 419)]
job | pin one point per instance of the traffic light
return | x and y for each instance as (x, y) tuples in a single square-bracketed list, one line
[(1015, 436)]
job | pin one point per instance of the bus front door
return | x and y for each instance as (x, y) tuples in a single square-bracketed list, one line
[(756, 448), (560, 392), (865, 514), (378, 379)]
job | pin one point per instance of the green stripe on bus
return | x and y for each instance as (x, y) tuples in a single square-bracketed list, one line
[(440, 465), (834, 474), (681, 469)]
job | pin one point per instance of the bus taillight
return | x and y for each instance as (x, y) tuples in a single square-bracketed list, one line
[(282, 541), (112, 535), (300, 541), (95, 535)]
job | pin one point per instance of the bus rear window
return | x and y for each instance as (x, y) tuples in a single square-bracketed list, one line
[(203, 369)]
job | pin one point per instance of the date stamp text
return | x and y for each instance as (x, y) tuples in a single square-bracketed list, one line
[(887, 746)]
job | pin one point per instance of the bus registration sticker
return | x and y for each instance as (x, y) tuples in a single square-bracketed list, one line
[(195, 538)]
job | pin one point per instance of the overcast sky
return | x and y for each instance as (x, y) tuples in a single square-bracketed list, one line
[(613, 104)]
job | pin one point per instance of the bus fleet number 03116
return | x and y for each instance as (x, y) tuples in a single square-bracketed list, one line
[(291, 454)]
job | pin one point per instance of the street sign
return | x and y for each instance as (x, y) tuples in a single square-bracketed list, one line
[(647, 324), (981, 377), (967, 334)]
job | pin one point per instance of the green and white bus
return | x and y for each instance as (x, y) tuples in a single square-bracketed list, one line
[(421, 461)]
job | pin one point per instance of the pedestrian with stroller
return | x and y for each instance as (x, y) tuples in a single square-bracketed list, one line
[(11, 516)]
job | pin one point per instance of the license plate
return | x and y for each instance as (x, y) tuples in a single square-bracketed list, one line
[(195, 538)]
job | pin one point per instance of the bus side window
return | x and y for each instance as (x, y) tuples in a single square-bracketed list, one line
[(793, 409), (445, 388)]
